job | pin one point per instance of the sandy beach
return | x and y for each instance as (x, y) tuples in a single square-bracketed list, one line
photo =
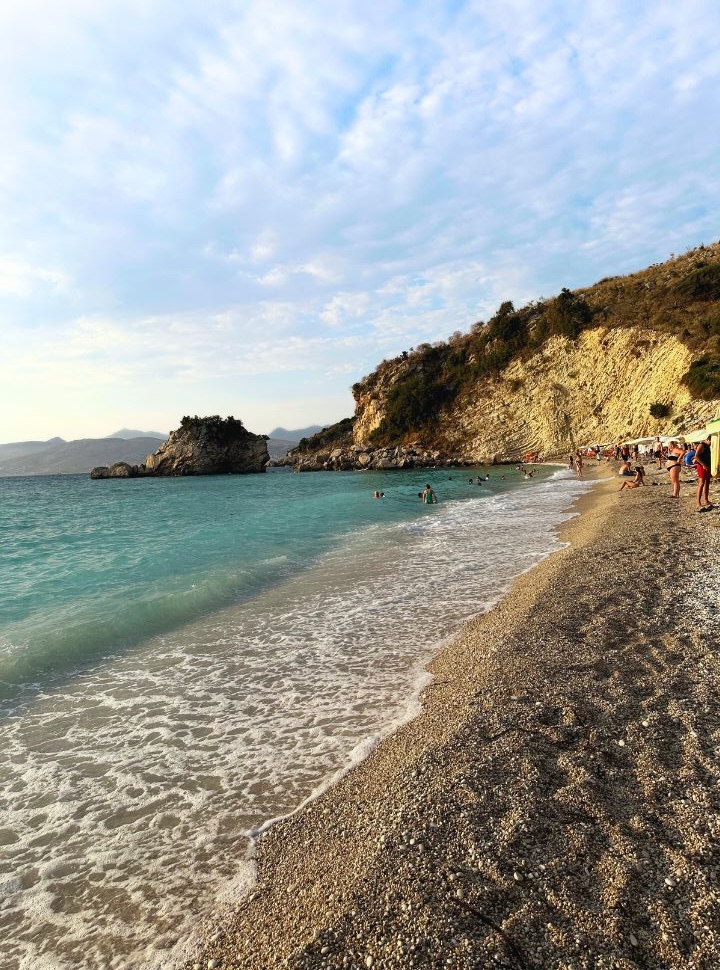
[(555, 805)]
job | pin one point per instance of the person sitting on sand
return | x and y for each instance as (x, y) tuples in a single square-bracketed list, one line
[(637, 481), (626, 470)]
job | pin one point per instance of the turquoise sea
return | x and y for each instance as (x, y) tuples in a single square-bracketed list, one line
[(184, 660)]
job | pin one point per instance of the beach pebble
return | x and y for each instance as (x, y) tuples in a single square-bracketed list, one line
[(369, 961), (645, 723), (633, 940), (669, 882), (213, 964), (621, 743), (517, 876)]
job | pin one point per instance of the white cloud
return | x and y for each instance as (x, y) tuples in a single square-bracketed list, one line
[(21, 279), (264, 246)]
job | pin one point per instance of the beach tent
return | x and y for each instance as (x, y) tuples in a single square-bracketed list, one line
[(664, 439), (713, 429), (692, 437)]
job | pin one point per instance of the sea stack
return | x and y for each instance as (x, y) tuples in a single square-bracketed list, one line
[(200, 446)]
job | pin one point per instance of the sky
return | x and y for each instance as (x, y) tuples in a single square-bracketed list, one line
[(241, 208)]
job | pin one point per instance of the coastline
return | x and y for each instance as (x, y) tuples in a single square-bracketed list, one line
[(553, 804)]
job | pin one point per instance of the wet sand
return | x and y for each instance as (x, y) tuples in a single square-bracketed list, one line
[(555, 805)]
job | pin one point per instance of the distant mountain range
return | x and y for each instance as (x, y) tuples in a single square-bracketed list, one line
[(59, 457), (281, 440), (129, 433), (295, 436), (56, 456)]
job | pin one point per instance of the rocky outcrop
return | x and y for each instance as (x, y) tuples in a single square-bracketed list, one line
[(359, 458), (200, 446), (120, 469)]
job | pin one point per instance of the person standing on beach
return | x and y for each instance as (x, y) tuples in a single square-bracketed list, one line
[(702, 467), (657, 452), (674, 466), (578, 464)]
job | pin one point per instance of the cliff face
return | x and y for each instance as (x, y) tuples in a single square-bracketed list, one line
[(200, 446), (582, 368), (597, 388)]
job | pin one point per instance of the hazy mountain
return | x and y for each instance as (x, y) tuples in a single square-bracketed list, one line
[(71, 457), (294, 436), (281, 441), (17, 449), (130, 433)]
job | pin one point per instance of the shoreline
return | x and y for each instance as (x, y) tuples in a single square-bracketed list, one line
[(519, 819)]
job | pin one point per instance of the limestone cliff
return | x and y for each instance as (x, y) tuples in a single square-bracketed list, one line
[(200, 446), (596, 389), (590, 366)]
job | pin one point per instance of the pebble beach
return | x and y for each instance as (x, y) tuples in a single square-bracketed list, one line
[(556, 802)]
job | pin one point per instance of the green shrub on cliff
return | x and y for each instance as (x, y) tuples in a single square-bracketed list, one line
[(215, 427), (660, 410), (703, 378), (702, 283), (567, 315)]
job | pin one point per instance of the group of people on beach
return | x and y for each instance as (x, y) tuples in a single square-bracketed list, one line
[(673, 457)]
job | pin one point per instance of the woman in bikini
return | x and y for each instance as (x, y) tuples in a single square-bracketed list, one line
[(674, 467)]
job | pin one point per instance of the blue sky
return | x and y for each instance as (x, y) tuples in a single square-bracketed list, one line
[(242, 208)]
